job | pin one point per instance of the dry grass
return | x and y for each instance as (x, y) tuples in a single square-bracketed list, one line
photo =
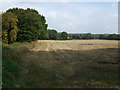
[(79, 63), (70, 63)]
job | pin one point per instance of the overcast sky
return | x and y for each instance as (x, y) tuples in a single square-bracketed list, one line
[(74, 17)]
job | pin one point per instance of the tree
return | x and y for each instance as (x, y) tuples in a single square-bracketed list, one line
[(31, 24), (52, 34), (86, 36), (76, 36), (101, 36), (9, 27), (118, 36), (112, 37), (4, 36), (64, 35), (43, 35), (0, 22)]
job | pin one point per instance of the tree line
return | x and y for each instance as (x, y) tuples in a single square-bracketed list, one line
[(26, 25), (95, 36), (54, 35)]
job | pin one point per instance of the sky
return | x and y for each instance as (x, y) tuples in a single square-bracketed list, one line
[(74, 17)]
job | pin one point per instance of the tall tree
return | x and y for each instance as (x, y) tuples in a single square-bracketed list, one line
[(52, 34), (64, 35), (9, 27), (31, 24), (43, 35)]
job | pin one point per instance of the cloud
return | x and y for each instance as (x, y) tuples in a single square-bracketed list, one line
[(115, 4), (75, 17), (84, 19)]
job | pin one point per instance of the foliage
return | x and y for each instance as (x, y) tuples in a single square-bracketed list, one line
[(52, 34), (64, 35), (18, 73), (94, 36), (43, 35), (11, 68), (31, 24), (9, 27), (113, 37), (4, 36)]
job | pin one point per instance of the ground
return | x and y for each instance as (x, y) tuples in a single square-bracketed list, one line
[(71, 60), (72, 63)]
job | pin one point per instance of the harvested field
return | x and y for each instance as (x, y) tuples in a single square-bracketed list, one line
[(79, 63), (67, 64)]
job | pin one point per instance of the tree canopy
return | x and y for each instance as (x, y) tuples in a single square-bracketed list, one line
[(9, 27), (64, 35), (52, 34), (31, 24)]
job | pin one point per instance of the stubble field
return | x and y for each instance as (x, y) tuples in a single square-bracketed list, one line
[(71, 63)]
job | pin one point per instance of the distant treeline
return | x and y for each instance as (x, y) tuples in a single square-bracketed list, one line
[(54, 35), (26, 25), (95, 36)]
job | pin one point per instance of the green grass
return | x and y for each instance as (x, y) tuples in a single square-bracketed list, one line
[(10, 68), (18, 73)]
